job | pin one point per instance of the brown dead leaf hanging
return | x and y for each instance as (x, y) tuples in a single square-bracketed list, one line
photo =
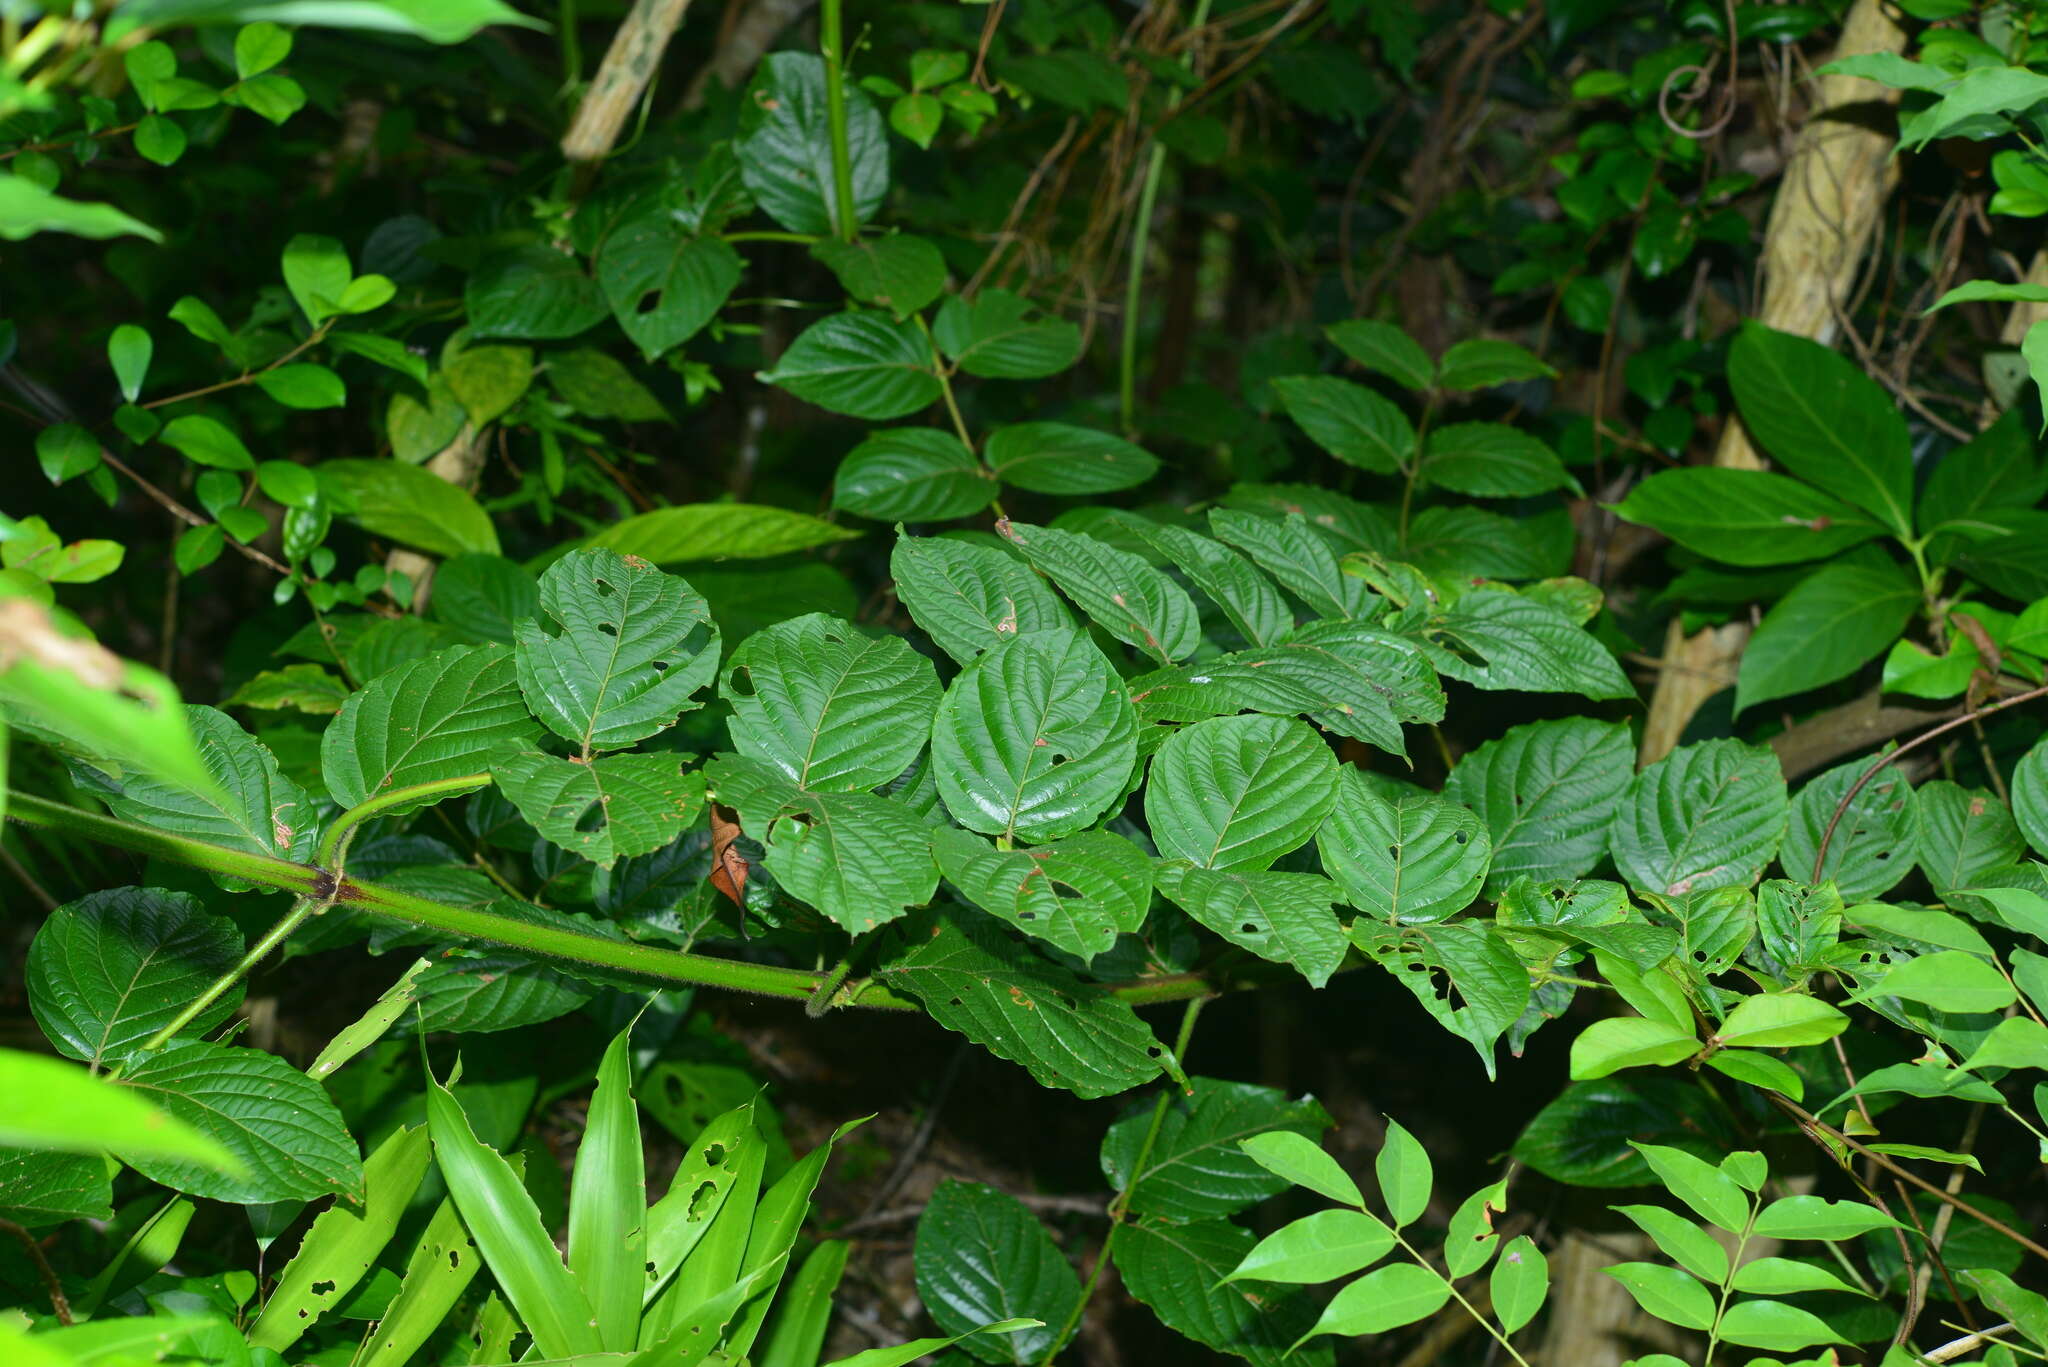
[(728, 868)]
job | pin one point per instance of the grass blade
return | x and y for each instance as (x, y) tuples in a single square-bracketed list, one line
[(608, 1203)]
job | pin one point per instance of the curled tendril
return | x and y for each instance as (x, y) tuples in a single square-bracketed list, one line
[(1700, 75)]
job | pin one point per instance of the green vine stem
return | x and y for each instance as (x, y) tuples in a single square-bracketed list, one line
[(333, 852), (1122, 1199), (832, 45), (302, 908), (669, 966), (1148, 196)]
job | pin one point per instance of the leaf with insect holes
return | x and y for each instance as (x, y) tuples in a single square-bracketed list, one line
[(1034, 739), (973, 978), (1125, 596), (834, 707), (1407, 860), (604, 809), (1289, 918), (1077, 894), (629, 646)]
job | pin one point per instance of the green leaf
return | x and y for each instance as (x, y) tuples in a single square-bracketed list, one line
[(1385, 1298), (803, 1312), (1078, 894), (1987, 93), (1813, 1217), (389, 498), (1483, 362), (107, 971), (76, 1112), (2030, 796), (1872, 846), (1713, 1195), (444, 21), (912, 474), (1175, 1269), (1461, 972), (1667, 1293), (1520, 1283), (276, 1121), (1404, 861), (1034, 739), (1405, 1175), (507, 1228), (604, 809), (1607, 1046), (973, 979), (1546, 791), (1774, 1325), (981, 1256), (1745, 517), (1831, 624), (1963, 833), (1239, 792), (251, 806), (1345, 523), (1705, 816), (39, 1189), (1527, 645), (1317, 1248), (785, 147), (608, 1202), (1384, 348), (1784, 1277), (160, 139), (1301, 560), (628, 647), (534, 292), (2022, 1308), (1492, 460), (488, 380), (860, 363), (1684, 1242), (207, 442), (832, 707), (1002, 336), (420, 429), (340, 1248), (1351, 422), (1301, 1161), (717, 531), (1999, 468), (484, 597), (859, 859), (1948, 980), (1057, 458), (1780, 1021), (900, 273), (128, 350), (918, 117), (598, 385), (1251, 603), (970, 598), (1289, 918), (259, 47), (904, 1354), (27, 208), (316, 271), (65, 451), (1816, 413), (439, 1269), (436, 717), (664, 283)]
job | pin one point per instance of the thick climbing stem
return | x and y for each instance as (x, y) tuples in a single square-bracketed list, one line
[(333, 851), (302, 908), (832, 45)]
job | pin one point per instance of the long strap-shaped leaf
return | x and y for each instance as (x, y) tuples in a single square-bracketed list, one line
[(697, 1193), (917, 1348), (440, 1269), (507, 1227), (776, 1222), (716, 1262), (608, 1203)]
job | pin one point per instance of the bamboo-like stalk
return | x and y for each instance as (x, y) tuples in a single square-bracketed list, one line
[(629, 65)]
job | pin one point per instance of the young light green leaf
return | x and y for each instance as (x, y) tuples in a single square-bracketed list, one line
[(1034, 739), (437, 1272), (803, 1312), (129, 349), (1814, 1217), (1666, 1292), (1289, 918), (834, 708), (1948, 980), (980, 1257), (1078, 894), (1520, 1283), (629, 646), (1069, 1034), (1405, 861), (76, 1112), (1785, 1276), (1775, 1326), (1405, 1175), (717, 531), (1317, 1248), (1127, 597), (1297, 1158), (1239, 792), (436, 717), (1385, 1298), (1705, 816), (107, 971), (1684, 1242), (1607, 1046), (969, 598), (1712, 1193), (912, 474), (1780, 1021), (506, 1225)]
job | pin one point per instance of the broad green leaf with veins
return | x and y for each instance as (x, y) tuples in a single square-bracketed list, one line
[(1177, 1269), (835, 708), (1546, 792), (1705, 816), (1034, 739), (1251, 603), (970, 598), (605, 809), (1077, 893), (1298, 556), (982, 1256), (439, 716), (630, 645), (1127, 597), (1239, 792), (1405, 862), (1196, 1167), (109, 970), (859, 859), (1289, 918)]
